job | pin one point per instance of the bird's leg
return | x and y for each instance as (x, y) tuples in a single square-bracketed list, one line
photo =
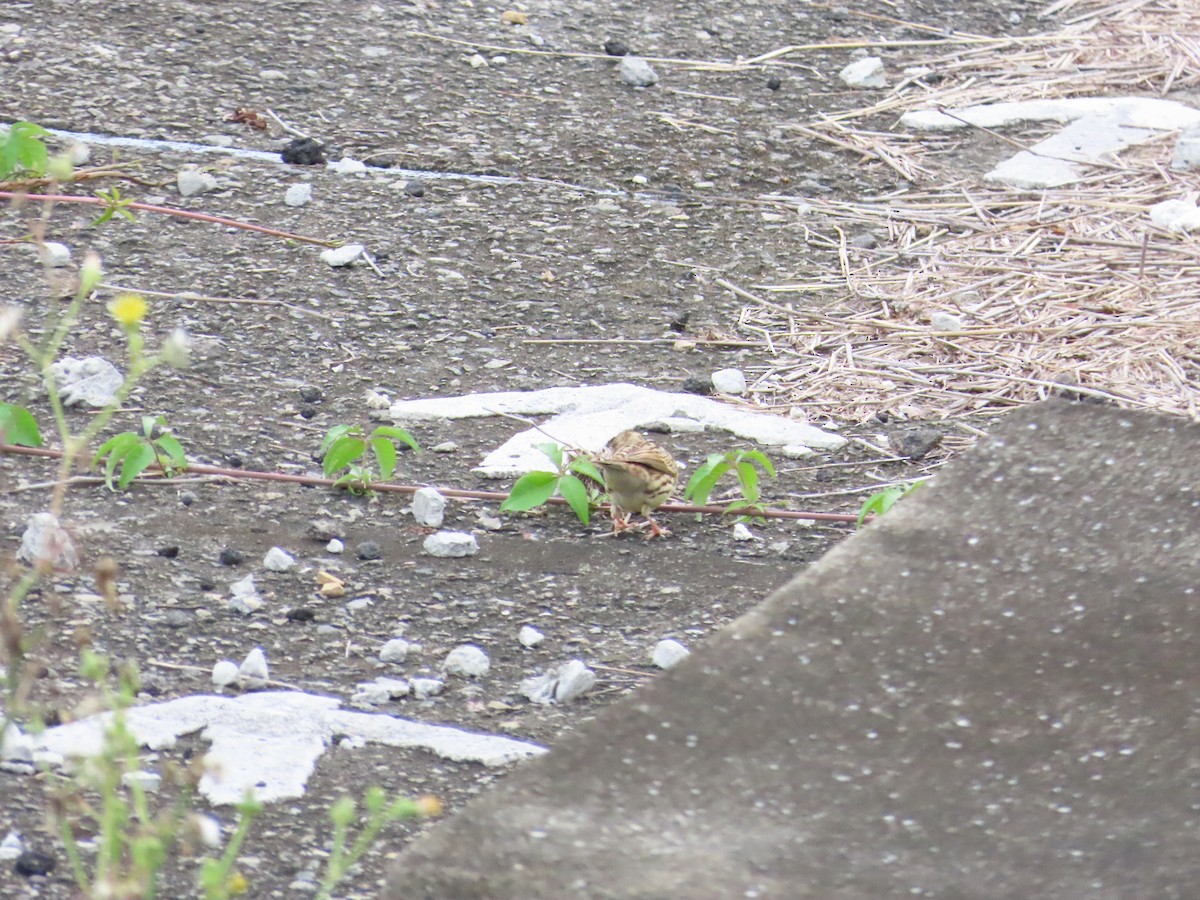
[(656, 530), (620, 522)]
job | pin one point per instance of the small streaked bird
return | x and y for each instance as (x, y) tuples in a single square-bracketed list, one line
[(639, 476)]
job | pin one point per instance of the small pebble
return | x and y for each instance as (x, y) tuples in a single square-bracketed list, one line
[(191, 182), (171, 551), (187, 498), (231, 557), (311, 394), (529, 636), (298, 195), (252, 673), (742, 533), (347, 166), (429, 507), (11, 847), (865, 73), (729, 381), (467, 660), (423, 688), (278, 560), (636, 72), (224, 673), (34, 862), (339, 257), (44, 539), (668, 652), (334, 546), (302, 614), (303, 152), (147, 781), (944, 321), (395, 651), (368, 550), (414, 187), (54, 254), (774, 83), (915, 443), (476, 61), (449, 544), (616, 47)]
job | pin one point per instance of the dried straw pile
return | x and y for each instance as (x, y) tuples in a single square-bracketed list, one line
[(1069, 285)]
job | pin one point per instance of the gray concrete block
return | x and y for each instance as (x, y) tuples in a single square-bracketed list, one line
[(989, 693)]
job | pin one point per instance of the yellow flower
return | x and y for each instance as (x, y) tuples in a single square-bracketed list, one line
[(429, 806), (128, 309)]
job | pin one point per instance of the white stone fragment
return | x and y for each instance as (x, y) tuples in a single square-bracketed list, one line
[(17, 746), (377, 400), (54, 254), (429, 507), (244, 597), (467, 660), (944, 321), (864, 73), (11, 847), (252, 673), (529, 637), (477, 61), (369, 694), (347, 166), (224, 673), (147, 781), (451, 544), (93, 381), (191, 182), (424, 688), (636, 72), (278, 560), (729, 381), (1187, 150), (560, 685), (338, 257), (45, 539), (668, 652), (741, 532), (208, 829), (298, 195), (395, 651), (334, 546), (1176, 215)]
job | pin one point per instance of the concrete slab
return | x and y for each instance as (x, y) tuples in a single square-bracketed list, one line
[(991, 692)]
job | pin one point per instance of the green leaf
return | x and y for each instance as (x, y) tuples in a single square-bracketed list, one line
[(759, 458), (17, 426), (576, 495), (334, 434), (879, 503), (704, 479), (385, 454), (554, 452), (169, 445), (748, 476), (134, 463), (113, 451), (341, 453), (585, 466), (23, 150), (532, 489), (397, 434), (149, 423)]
